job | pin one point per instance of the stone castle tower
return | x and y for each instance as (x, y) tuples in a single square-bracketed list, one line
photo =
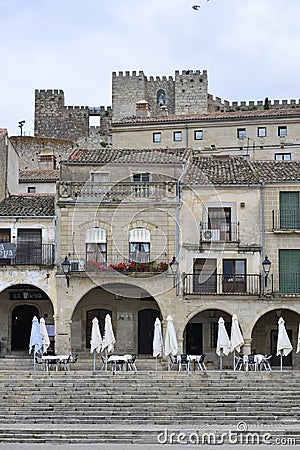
[(186, 94)]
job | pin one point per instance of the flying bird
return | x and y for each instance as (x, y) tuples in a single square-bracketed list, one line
[(196, 7)]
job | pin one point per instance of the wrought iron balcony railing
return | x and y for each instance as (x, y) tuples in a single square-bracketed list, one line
[(286, 219), (220, 284), (220, 232), (29, 253), (80, 263)]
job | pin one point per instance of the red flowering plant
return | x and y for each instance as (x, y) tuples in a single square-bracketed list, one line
[(95, 265), (139, 267)]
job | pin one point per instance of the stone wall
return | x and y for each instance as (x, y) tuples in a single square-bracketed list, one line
[(54, 119), (29, 149)]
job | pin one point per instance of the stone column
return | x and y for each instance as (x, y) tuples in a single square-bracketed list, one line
[(247, 346)]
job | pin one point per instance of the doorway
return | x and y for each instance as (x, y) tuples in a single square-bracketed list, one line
[(146, 330), (22, 316), (194, 339), (275, 360)]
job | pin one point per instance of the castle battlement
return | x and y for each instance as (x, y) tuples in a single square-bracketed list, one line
[(253, 104), (70, 108), (47, 92)]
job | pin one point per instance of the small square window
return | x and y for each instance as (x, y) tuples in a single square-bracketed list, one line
[(283, 156), (31, 190), (177, 136), (261, 132), (241, 133), (156, 137), (198, 135), (282, 131)]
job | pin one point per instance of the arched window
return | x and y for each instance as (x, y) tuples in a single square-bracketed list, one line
[(96, 246), (139, 245), (161, 97)]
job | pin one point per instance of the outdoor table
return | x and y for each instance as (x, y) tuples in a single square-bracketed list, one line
[(116, 360), (54, 359)]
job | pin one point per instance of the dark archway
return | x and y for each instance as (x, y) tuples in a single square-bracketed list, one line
[(146, 330), (90, 314), (21, 326)]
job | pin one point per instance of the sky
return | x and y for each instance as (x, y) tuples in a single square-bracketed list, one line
[(250, 48)]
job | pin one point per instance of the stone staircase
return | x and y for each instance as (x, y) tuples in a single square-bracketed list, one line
[(82, 406)]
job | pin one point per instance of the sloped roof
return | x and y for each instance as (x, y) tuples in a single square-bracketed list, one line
[(145, 156), (223, 169), (27, 205), (217, 116), (38, 175), (227, 169), (277, 170)]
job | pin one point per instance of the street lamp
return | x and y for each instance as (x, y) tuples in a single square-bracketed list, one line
[(21, 124), (266, 266), (66, 267), (174, 269)]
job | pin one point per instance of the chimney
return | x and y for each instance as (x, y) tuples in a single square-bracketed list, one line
[(47, 159), (143, 109)]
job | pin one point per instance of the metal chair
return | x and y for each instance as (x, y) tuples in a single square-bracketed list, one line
[(184, 363), (131, 363), (251, 363), (238, 362), (200, 362), (265, 362)]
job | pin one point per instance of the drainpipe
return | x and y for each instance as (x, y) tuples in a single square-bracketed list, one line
[(263, 229), (186, 135)]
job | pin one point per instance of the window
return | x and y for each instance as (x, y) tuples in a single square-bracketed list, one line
[(100, 177), (31, 190), (5, 237), (96, 247), (161, 97), (140, 177), (198, 135), (234, 275), (29, 246), (283, 156), (289, 210), (219, 221), (205, 276), (289, 271), (241, 133), (261, 132), (282, 131), (177, 136), (139, 245), (156, 137)]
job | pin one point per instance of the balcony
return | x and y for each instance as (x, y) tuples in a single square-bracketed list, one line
[(219, 284), (117, 192), (221, 232), (28, 253), (286, 219), (129, 268)]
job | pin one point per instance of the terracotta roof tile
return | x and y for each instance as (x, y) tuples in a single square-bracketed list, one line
[(229, 115), (147, 156), (38, 175), (28, 205)]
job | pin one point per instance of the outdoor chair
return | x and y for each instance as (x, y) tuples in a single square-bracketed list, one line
[(251, 363), (65, 364), (38, 360), (184, 363), (103, 363), (238, 362), (265, 363), (172, 361), (131, 363), (200, 362), (74, 359)]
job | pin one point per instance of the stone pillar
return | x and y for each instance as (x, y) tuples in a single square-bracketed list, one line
[(247, 346), (62, 335)]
